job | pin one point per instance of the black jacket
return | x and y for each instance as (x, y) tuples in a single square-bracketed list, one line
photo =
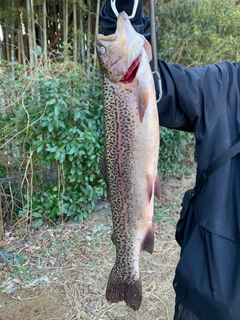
[(205, 100)]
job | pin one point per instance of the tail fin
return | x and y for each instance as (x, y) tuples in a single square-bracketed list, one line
[(130, 290)]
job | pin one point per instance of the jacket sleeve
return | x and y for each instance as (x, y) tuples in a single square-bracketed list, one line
[(192, 96)]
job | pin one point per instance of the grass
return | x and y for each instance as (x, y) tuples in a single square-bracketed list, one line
[(77, 257), (59, 246), (161, 215)]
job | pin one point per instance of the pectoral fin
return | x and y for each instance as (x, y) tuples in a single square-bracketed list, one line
[(147, 48), (142, 103)]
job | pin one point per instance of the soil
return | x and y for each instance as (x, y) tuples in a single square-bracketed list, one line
[(63, 270)]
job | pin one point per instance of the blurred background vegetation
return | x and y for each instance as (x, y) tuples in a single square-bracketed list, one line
[(51, 126)]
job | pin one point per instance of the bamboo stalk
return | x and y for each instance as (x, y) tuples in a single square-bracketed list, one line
[(81, 39), (1, 217), (75, 32), (30, 39), (88, 32), (31, 33), (65, 22), (19, 45), (22, 48), (12, 37), (7, 43), (96, 32), (44, 31)]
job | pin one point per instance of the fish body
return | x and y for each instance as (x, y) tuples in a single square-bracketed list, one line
[(131, 154)]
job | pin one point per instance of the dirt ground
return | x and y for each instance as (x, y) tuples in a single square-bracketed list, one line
[(63, 270)]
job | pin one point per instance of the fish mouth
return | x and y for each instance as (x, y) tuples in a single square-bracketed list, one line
[(132, 71)]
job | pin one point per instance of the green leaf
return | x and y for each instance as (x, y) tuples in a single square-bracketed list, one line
[(51, 102), (39, 49), (50, 126), (38, 223), (40, 148), (36, 214), (57, 110), (72, 150)]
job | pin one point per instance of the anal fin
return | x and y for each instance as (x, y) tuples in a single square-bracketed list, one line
[(142, 104)]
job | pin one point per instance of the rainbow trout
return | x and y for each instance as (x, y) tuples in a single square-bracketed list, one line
[(131, 148)]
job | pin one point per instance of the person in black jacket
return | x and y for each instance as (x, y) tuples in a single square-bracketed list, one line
[(206, 101)]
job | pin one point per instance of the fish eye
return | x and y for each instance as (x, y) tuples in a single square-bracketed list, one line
[(102, 50)]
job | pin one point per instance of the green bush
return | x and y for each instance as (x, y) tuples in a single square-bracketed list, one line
[(194, 33), (176, 154), (53, 126), (197, 32)]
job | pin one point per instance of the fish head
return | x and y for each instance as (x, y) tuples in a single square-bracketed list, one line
[(120, 53)]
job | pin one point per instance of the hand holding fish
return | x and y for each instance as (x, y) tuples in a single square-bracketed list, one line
[(133, 4)]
